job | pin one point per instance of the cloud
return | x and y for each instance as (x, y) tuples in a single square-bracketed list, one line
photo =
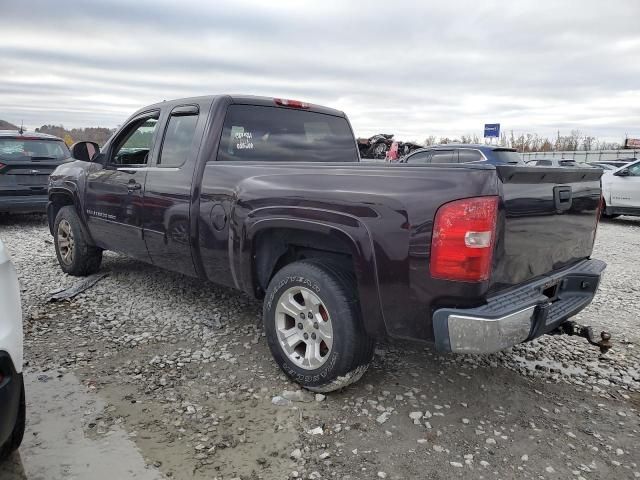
[(411, 68)]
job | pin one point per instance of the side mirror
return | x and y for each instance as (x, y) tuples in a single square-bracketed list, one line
[(85, 151), (622, 173)]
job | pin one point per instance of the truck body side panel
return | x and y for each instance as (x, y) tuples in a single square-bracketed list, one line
[(204, 217), (381, 210)]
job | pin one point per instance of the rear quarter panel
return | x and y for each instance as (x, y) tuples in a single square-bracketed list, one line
[(386, 211)]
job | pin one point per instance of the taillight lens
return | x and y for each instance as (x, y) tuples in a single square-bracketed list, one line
[(290, 103), (463, 238)]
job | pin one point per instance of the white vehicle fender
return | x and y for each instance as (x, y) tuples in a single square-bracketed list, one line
[(11, 336)]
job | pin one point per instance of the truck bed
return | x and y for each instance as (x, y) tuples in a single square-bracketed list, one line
[(387, 210)]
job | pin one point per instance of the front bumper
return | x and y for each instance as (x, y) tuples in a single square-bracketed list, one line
[(10, 391), (519, 315), (24, 204)]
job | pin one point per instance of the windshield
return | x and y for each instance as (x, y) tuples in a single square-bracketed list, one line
[(605, 166), (508, 156), (32, 149)]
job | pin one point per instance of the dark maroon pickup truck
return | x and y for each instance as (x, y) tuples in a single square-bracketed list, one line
[(269, 196)]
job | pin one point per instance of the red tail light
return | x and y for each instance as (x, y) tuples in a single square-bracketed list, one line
[(290, 103), (463, 239), (2, 165)]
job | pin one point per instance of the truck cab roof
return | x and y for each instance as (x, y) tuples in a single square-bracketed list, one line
[(247, 100)]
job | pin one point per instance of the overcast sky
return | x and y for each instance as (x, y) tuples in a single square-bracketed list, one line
[(410, 68)]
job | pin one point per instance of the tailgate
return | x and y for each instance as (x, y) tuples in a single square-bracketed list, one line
[(23, 176), (549, 221)]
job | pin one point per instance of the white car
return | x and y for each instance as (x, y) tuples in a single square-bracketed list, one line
[(621, 190), (12, 400)]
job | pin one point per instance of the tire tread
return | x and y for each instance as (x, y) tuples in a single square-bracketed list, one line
[(358, 355), (87, 257)]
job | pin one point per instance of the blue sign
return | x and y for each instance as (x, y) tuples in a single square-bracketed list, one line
[(491, 130)]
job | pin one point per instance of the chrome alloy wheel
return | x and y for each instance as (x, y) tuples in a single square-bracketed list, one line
[(304, 328), (65, 242)]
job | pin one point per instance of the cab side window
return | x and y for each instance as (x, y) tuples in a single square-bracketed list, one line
[(444, 156), (133, 147), (467, 156), (178, 138), (420, 157)]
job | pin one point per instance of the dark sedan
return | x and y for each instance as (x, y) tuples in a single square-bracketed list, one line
[(464, 153), (26, 160)]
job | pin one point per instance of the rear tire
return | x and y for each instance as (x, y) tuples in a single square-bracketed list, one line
[(76, 255), (15, 440), (313, 326)]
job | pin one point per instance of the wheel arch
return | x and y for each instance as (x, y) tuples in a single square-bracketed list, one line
[(58, 198), (272, 243)]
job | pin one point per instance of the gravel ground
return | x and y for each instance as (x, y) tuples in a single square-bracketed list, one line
[(181, 370)]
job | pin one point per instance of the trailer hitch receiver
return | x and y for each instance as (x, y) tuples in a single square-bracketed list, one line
[(573, 328)]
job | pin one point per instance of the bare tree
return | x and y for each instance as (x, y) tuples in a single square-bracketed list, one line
[(588, 141), (430, 140)]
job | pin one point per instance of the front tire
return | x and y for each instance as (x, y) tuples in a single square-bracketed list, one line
[(15, 440), (313, 326), (76, 255)]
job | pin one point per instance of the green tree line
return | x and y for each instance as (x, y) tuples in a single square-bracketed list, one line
[(91, 134)]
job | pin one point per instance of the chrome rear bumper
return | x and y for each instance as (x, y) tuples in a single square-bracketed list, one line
[(520, 314), (486, 335)]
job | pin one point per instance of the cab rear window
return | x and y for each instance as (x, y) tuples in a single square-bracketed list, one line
[(272, 134)]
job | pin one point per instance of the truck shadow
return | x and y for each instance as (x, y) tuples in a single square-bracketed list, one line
[(12, 468), (630, 221)]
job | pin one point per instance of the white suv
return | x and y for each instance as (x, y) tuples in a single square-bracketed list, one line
[(12, 402), (621, 190)]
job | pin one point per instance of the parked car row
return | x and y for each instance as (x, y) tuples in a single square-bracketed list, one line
[(463, 153)]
